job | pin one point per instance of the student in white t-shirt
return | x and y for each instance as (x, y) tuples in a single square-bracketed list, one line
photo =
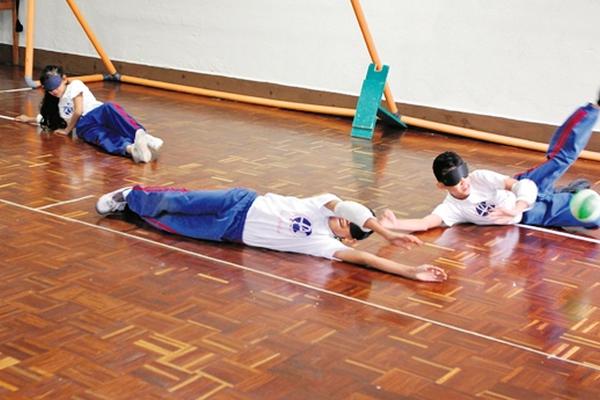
[(321, 226), (70, 107), (486, 197)]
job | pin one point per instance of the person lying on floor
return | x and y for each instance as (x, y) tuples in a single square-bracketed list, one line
[(69, 107), (322, 225), (485, 197)]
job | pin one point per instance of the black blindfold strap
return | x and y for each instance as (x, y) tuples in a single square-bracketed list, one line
[(454, 176)]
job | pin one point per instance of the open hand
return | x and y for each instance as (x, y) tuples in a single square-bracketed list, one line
[(430, 273), (504, 216), (403, 240)]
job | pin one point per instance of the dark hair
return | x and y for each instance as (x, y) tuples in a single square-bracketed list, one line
[(598, 102), (356, 231), (444, 163), (51, 119)]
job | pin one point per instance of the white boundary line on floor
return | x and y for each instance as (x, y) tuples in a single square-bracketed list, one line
[(60, 203), (15, 90), (559, 233), (315, 288)]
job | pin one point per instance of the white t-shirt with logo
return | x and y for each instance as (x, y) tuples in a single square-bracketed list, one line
[(487, 192), (288, 223), (72, 90)]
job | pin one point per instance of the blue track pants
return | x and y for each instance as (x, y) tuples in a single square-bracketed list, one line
[(551, 208), (109, 127), (217, 215)]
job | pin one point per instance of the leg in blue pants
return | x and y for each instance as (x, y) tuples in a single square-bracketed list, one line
[(552, 209), (110, 127), (203, 214)]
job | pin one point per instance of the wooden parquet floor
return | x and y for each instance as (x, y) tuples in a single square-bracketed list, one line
[(105, 308)]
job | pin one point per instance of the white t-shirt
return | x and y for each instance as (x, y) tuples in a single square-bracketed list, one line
[(73, 89), (288, 223), (487, 192)]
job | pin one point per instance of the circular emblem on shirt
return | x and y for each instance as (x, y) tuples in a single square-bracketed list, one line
[(68, 109), (301, 226), (484, 208)]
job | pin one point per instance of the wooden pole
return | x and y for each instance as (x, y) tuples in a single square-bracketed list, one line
[(29, 43), (15, 34), (344, 112), (362, 22), (88, 31), (349, 112)]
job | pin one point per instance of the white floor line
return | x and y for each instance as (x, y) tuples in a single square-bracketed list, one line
[(316, 288), (15, 90), (560, 233), (60, 203)]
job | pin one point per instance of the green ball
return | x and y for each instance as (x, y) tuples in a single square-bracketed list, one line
[(585, 205)]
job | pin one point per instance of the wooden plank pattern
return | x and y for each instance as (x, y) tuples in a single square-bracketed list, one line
[(87, 313)]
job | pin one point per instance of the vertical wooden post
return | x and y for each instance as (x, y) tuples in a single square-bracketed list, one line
[(362, 22), (30, 27), (15, 34)]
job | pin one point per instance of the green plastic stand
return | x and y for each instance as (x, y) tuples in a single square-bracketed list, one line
[(369, 107), (390, 118)]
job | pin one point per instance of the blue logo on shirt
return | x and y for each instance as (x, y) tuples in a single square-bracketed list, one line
[(301, 225), (484, 208), (68, 109)]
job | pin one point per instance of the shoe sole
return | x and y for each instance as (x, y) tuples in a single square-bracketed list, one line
[(111, 196), (100, 212)]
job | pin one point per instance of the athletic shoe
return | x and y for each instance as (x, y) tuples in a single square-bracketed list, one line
[(112, 202), (154, 144), (140, 151), (575, 186)]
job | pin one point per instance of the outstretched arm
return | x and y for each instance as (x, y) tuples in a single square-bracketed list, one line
[(424, 272), (389, 220), (27, 119), (395, 238), (362, 216)]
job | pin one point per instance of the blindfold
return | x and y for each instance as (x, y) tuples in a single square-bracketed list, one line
[(455, 175)]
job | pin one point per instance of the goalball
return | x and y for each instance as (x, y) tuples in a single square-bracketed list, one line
[(585, 205)]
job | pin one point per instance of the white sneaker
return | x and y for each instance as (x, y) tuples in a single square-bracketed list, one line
[(140, 151), (112, 202), (154, 144)]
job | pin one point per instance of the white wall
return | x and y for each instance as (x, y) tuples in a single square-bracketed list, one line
[(529, 60)]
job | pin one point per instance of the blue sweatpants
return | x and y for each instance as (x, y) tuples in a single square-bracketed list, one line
[(109, 127), (551, 208), (217, 215)]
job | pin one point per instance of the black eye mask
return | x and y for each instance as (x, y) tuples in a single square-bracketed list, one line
[(454, 176), (357, 233)]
